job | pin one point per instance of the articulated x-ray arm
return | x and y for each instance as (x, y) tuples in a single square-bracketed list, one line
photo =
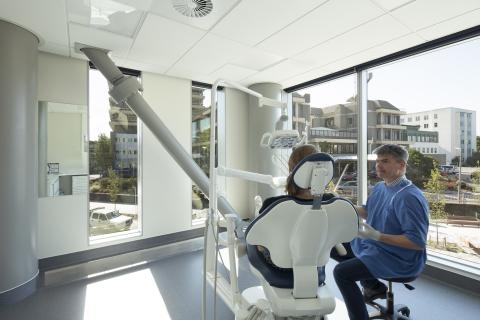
[(126, 89)]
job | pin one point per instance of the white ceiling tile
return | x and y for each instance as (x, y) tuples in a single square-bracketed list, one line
[(459, 23), (304, 77), (46, 19), (423, 13), (117, 44), (279, 71), (389, 5), (140, 66), (252, 20), (162, 41), (256, 59), (187, 74), (209, 54), (165, 9), (115, 16), (366, 36), (232, 72), (356, 59), (325, 22), (375, 52)]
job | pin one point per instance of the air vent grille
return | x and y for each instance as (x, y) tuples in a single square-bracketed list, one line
[(193, 8)]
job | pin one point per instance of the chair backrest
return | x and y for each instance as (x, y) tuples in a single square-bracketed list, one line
[(299, 235), (293, 232)]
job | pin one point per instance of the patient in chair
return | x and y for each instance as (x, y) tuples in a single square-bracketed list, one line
[(292, 190)]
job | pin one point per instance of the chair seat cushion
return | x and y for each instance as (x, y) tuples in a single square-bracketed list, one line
[(276, 277)]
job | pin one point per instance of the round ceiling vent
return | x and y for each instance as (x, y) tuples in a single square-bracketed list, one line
[(193, 8)]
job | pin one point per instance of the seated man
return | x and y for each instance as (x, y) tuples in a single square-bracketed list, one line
[(393, 239)]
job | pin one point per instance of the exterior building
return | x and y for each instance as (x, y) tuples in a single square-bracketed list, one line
[(300, 111), (456, 129), (334, 128), (425, 142), (123, 137), (200, 129), (124, 150)]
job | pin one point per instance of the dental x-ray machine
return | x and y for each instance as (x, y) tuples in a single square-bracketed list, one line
[(126, 89)]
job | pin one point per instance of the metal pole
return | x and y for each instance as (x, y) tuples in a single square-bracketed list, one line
[(362, 109), (127, 89), (459, 175)]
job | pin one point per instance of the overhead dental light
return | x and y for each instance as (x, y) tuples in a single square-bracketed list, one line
[(280, 139), (193, 8)]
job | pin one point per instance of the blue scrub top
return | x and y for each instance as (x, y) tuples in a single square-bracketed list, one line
[(398, 209)]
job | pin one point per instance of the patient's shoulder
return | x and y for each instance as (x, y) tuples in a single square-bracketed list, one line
[(267, 202)]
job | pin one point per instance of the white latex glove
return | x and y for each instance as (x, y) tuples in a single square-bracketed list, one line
[(366, 231)]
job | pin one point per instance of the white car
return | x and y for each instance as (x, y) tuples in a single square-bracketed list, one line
[(101, 218)]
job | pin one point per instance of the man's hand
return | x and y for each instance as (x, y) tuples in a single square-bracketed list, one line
[(366, 231)]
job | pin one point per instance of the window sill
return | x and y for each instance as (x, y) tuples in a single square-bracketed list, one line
[(93, 240), (455, 265), (198, 223)]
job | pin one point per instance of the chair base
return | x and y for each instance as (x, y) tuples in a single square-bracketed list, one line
[(391, 311), (284, 306)]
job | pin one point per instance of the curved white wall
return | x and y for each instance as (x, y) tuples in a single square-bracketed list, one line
[(18, 163)]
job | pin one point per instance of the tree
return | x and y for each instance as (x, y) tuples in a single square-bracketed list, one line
[(419, 167), (473, 160), (455, 161), (324, 146), (103, 154), (435, 186), (113, 186)]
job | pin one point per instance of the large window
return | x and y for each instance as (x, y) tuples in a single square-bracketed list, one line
[(436, 96), (330, 114), (201, 100), (113, 164)]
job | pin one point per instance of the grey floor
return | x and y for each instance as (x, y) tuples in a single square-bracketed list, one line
[(170, 288)]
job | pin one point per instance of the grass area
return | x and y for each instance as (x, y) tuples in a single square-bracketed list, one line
[(444, 245)]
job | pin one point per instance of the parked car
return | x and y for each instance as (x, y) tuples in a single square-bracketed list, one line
[(101, 218), (350, 186), (348, 176)]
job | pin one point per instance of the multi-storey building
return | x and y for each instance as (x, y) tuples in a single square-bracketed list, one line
[(456, 129), (425, 142), (123, 136), (334, 128), (300, 111)]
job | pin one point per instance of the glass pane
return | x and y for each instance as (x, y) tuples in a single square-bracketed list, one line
[(113, 161), (330, 114), (62, 149), (200, 147), (436, 96)]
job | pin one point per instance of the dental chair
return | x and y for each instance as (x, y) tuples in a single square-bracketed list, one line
[(299, 236)]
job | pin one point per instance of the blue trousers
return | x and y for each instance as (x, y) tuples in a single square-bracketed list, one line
[(347, 272)]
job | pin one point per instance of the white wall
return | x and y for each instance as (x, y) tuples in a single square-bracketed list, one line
[(63, 223), (236, 143), (167, 190)]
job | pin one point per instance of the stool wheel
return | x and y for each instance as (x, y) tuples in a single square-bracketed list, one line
[(404, 311)]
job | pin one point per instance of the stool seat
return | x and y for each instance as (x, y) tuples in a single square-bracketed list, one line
[(400, 280)]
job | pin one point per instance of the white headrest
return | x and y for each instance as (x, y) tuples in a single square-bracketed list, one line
[(302, 174)]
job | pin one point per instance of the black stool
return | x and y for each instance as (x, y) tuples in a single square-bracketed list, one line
[(392, 311)]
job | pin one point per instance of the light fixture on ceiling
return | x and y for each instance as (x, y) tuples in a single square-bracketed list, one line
[(193, 8)]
